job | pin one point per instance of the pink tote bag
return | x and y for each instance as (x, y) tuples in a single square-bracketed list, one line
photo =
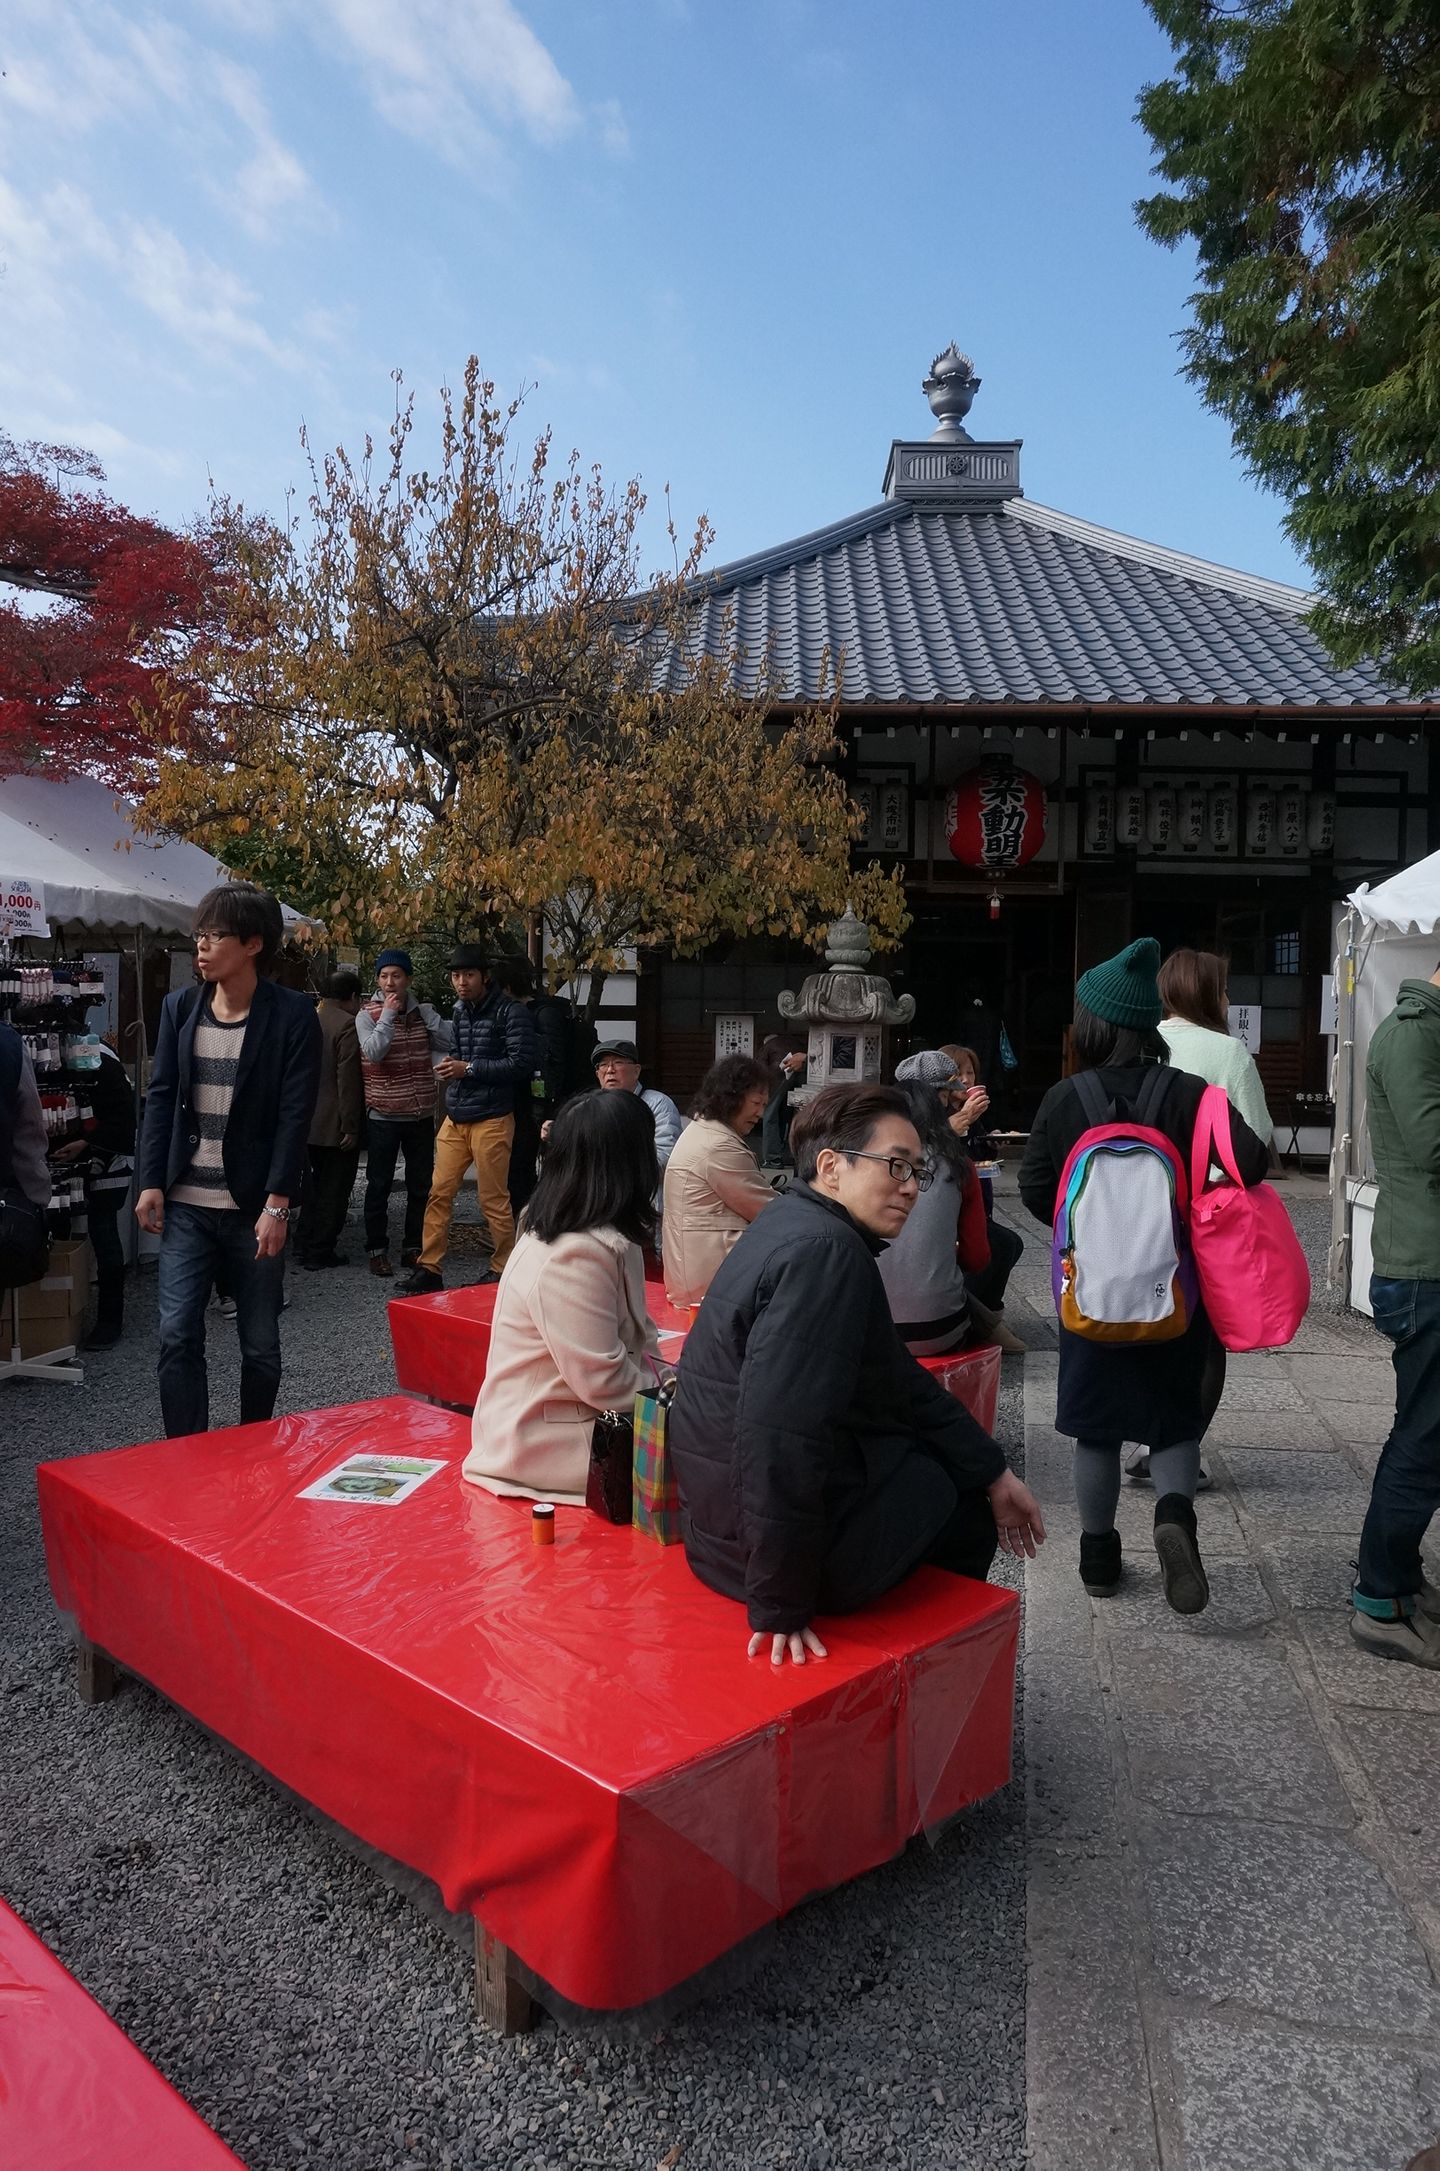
[(1254, 1279)]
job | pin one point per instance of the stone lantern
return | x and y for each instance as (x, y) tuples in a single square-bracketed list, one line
[(847, 1010)]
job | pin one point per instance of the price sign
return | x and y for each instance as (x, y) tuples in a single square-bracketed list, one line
[(22, 907)]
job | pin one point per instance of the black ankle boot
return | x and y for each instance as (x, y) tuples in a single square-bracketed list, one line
[(1100, 1561), (1181, 1569)]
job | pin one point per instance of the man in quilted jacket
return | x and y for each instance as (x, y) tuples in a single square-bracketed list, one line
[(492, 1055)]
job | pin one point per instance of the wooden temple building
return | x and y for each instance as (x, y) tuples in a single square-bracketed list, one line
[(1067, 737)]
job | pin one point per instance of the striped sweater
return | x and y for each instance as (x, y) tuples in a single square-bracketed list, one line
[(214, 1064)]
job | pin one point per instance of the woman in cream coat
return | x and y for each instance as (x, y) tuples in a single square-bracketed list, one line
[(713, 1189), (571, 1336)]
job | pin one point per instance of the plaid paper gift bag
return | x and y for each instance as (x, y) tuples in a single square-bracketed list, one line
[(657, 1501)]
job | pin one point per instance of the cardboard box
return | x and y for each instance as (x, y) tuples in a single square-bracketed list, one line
[(38, 1337), (65, 1290)]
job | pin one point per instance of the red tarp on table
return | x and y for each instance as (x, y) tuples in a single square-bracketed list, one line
[(569, 1741), (75, 2093), (442, 1342), (442, 1345)]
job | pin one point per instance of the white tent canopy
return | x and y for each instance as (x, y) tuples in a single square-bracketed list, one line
[(100, 874), (1388, 934), (1408, 904)]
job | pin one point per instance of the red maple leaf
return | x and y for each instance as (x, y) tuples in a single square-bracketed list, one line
[(123, 595)]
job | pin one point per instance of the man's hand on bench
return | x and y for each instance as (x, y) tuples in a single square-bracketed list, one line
[(1019, 1525), (797, 1645)]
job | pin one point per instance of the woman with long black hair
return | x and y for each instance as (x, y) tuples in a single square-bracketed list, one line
[(1153, 1391), (571, 1335)]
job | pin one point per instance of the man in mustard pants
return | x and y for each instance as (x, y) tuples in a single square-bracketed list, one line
[(493, 1052)]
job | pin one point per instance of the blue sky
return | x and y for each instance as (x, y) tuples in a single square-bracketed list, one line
[(721, 241)]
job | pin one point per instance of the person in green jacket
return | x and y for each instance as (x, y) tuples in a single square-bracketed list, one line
[(1397, 1610)]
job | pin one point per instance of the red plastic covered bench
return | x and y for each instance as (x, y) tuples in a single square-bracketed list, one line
[(569, 1741), (75, 2093), (442, 1345)]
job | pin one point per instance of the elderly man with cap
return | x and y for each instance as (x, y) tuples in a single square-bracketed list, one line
[(492, 1055), (401, 1040), (617, 1070)]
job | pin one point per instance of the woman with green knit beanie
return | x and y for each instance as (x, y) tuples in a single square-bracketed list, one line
[(1151, 1391)]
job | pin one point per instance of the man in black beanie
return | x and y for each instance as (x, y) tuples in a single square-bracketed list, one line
[(493, 1054)]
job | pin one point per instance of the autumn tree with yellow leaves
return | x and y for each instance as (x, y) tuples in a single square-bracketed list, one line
[(445, 695)]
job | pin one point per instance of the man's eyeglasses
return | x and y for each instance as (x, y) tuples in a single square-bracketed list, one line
[(208, 934), (920, 1173)]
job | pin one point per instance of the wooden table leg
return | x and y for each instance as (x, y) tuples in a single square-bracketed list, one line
[(501, 2002), (96, 1674)]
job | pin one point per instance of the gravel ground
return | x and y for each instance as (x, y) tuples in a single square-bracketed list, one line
[(315, 2017)]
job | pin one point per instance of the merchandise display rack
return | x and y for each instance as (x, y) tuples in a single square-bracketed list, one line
[(46, 1001)]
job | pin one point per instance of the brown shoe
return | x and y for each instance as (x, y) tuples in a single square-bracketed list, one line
[(380, 1263)]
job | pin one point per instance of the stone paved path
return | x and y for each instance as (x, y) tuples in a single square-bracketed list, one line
[(1233, 1843)]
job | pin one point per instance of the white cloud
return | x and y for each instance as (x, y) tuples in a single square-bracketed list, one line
[(199, 300), (453, 72), (81, 67), (53, 248)]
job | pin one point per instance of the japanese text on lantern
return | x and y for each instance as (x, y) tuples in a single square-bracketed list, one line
[(1002, 816)]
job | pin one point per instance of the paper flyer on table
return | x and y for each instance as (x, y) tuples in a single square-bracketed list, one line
[(381, 1480)]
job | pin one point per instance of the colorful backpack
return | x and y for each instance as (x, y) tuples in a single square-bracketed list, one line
[(1120, 1264)]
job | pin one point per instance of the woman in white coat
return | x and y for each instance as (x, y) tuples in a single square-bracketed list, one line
[(571, 1336)]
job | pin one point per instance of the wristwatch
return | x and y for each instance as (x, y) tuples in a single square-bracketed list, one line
[(277, 1213)]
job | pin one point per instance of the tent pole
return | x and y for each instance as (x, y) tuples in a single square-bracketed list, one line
[(1342, 1093)]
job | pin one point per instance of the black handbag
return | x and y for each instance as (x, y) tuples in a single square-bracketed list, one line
[(610, 1484)]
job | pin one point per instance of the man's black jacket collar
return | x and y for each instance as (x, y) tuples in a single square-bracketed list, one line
[(873, 1244)]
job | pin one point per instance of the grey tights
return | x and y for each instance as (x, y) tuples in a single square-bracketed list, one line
[(1097, 1478)]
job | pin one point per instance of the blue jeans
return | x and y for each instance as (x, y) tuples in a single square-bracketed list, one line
[(1406, 1492), (202, 1243)]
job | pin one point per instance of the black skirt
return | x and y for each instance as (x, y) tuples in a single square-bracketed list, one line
[(1151, 1392)]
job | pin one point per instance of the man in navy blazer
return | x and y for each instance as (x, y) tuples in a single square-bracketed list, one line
[(227, 1115)]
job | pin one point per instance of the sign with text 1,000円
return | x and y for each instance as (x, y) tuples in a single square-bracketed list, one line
[(22, 907)]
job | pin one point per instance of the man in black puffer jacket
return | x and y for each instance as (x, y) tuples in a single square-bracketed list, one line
[(493, 1055), (817, 1461)]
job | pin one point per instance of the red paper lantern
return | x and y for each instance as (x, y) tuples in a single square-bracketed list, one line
[(995, 817)]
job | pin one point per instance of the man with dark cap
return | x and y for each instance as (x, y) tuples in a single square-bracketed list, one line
[(492, 1055), (401, 1041), (617, 1070)]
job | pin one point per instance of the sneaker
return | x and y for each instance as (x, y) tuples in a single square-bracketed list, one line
[(422, 1283), (1427, 1600), (1100, 1562), (225, 1306), (380, 1263), (1413, 1639), (1181, 1569)]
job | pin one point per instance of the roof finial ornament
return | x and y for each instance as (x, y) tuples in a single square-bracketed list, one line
[(950, 387)]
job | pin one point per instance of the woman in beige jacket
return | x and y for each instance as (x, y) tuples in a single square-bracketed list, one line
[(713, 1189), (571, 1336)]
